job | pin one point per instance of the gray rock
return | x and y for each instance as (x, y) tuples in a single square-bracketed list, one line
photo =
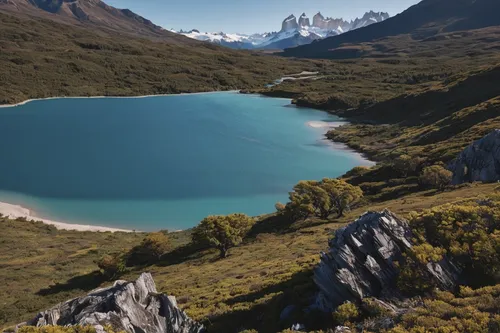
[(361, 261), (478, 162), (134, 307)]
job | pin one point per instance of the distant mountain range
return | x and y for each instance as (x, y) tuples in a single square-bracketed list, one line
[(294, 32), (421, 22)]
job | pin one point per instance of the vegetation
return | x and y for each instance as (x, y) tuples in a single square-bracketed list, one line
[(270, 270), (436, 177), (413, 105), (43, 58), (470, 311), (468, 233), (345, 313), (154, 246), (112, 266), (223, 232), (321, 199)]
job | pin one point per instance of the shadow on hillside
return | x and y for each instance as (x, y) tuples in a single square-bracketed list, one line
[(85, 282), (280, 224), (265, 316), (181, 254), (300, 278)]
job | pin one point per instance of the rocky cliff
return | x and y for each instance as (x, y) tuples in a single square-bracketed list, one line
[(361, 261), (134, 307), (478, 162), (290, 23), (304, 21)]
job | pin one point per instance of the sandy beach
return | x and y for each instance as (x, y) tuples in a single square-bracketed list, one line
[(16, 211)]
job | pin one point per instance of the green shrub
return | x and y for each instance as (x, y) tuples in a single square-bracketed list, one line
[(155, 245), (345, 313), (223, 232), (407, 165), (435, 177), (112, 266)]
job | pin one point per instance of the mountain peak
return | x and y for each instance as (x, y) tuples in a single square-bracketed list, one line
[(290, 23), (304, 21)]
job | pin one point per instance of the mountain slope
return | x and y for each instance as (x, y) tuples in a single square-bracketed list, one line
[(90, 14), (423, 20), (45, 58)]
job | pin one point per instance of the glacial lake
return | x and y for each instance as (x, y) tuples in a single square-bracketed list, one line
[(161, 162)]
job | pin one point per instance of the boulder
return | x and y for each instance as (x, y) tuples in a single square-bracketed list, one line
[(478, 162), (134, 307), (361, 261)]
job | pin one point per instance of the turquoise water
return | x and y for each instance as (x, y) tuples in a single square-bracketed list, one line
[(161, 162)]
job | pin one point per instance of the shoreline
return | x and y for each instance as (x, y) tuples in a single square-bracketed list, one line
[(5, 106), (14, 212)]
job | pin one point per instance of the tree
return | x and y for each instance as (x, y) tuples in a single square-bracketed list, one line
[(342, 194), (436, 177), (155, 245), (111, 266), (322, 199), (223, 232), (307, 199)]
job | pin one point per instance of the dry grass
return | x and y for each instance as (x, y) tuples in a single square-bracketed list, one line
[(272, 269)]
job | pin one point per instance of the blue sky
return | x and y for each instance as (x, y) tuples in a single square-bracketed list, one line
[(245, 16)]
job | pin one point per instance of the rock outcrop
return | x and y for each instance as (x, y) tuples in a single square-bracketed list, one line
[(361, 261), (134, 307), (290, 23), (304, 21), (478, 162)]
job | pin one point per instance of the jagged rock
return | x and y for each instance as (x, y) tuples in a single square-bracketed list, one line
[(361, 261), (478, 162), (134, 307), (290, 23), (304, 21)]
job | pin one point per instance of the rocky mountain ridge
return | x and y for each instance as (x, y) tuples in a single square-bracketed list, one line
[(293, 32), (421, 21)]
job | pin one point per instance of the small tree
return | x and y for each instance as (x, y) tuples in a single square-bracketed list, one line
[(407, 165), (223, 232), (342, 194), (111, 266), (436, 177), (155, 245)]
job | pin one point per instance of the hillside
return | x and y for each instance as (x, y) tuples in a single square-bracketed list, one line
[(44, 57), (248, 290), (93, 14), (421, 21)]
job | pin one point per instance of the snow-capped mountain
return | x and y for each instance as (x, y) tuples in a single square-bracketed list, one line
[(293, 32)]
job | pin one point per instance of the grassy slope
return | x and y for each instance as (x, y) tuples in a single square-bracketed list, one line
[(43, 58), (247, 290)]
